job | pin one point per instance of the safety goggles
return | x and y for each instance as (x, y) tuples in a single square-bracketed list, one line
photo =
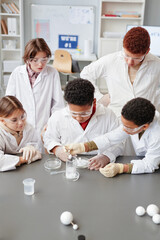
[(81, 114), (39, 60), (138, 60), (133, 130), (16, 120)]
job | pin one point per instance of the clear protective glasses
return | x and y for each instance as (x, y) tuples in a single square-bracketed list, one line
[(81, 114), (39, 60), (133, 130), (138, 60), (16, 120)]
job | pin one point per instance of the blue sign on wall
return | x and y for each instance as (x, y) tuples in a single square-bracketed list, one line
[(68, 41)]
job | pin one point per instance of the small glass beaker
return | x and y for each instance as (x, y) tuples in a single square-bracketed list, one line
[(71, 169), (29, 186)]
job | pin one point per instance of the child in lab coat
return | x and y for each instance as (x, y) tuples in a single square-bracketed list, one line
[(16, 135), (141, 123), (36, 85), (81, 120)]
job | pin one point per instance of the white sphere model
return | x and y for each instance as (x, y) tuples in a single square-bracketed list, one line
[(140, 211), (75, 226), (156, 218), (152, 209), (66, 218)]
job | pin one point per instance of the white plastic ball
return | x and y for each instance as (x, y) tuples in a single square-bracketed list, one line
[(152, 209), (140, 211), (75, 226), (66, 218), (156, 218)]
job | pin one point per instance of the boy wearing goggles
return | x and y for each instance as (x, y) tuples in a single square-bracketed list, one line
[(81, 120)]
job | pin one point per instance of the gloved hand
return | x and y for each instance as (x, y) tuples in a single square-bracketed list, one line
[(112, 169), (99, 161), (75, 148), (28, 152), (62, 154), (37, 156), (105, 100)]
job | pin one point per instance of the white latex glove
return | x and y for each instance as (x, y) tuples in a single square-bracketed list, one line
[(62, 154), (75, 148), (28, 152), (37, 156), (112, 169), (99, 161), (105, 100)]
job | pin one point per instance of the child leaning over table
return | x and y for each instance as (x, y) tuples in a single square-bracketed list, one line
[(81, 120), (140, 122), (16, 135)]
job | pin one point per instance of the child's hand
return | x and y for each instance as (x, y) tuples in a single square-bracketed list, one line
[(75, 148), (28, 152), (36, 157), (99, 161), (112, 169), (61, 153)]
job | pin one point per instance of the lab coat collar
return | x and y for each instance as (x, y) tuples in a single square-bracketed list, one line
[(23, 70)]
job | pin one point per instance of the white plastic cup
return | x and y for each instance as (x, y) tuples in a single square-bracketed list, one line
[(87, 47), (29, 186), (70, 169)]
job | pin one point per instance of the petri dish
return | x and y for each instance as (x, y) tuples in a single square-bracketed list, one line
[(52, 164), (82, 162)]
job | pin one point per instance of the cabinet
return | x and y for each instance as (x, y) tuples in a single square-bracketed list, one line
[(11, 39), (115, 15)]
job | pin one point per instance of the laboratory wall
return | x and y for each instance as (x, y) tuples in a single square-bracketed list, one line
[(151, 18)]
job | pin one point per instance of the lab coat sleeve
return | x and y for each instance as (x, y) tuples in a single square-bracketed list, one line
[(150, 162), (52, 136), (110, 139), (11, 86), (57, 98), (93, 72), (157, 99), (118, 149), (7, 162)]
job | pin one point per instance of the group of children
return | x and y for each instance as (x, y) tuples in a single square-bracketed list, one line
[(34, 102)]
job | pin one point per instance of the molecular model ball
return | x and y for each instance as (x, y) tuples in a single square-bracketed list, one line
[(152, 210), (67, 218)]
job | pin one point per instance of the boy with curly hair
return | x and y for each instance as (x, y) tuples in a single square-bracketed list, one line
[(81, 120)]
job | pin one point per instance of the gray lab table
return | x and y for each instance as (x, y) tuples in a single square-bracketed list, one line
[(104, 208)]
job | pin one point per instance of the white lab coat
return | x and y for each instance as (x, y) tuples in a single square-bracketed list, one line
[(63, 129), (148, 146), (114, 70), (9, 146), (40, 101)]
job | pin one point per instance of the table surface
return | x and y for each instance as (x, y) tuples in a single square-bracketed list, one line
[(104, 208)]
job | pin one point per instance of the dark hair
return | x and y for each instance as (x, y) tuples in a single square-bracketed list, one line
[(34, 46), (139, 110), (137, 40), (8, 105), (79, 92)]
